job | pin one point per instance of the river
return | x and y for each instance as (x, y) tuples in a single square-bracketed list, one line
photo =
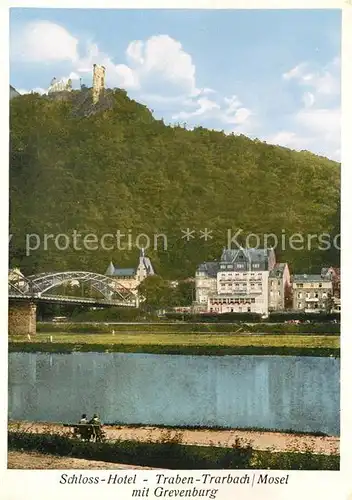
[(276, 392)]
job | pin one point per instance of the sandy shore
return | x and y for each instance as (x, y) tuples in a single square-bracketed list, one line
[(273, 441)]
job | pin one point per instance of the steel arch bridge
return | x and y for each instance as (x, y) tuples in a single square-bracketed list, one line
[(36, 286)]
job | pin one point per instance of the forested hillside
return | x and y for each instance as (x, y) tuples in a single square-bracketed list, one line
[(121, 169)]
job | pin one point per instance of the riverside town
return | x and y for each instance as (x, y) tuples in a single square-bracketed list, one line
[(198, 349)]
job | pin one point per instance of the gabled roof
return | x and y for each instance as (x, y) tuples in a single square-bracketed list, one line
[(250, 254), (128, 271), (110, 270), (113, 271), (144, 261), (278, 270), (210, 268)]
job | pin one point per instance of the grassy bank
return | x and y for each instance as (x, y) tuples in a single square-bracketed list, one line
[(192, 344), (170, 453), (164, 328)]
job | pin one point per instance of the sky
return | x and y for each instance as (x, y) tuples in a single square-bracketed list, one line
[(269, 74)]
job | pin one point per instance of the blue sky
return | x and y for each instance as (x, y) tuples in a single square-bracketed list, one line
[(271, 74)]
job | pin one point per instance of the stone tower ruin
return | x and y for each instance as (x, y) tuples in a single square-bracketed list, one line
[(98, 82)]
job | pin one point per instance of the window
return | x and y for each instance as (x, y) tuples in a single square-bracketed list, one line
[(299, 305), (255, 266), (253, 301), (278, 282), (320, 285), (299, 285), (316, 295), (222, 266), (248, 309)]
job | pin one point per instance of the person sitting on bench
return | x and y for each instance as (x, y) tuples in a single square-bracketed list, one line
[(95, 421), (84, 419)]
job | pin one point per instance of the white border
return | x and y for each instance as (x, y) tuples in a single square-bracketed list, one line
[(20, 485)]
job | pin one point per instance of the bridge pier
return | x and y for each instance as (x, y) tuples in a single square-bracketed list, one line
[(22, 318)]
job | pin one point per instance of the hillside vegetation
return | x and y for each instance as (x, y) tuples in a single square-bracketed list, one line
[(121, 169)]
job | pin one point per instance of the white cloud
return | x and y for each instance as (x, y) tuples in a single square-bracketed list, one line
[(316, 125), (158, 65), (289, 139), (37, 90), (315, 129), (295, 72), (227, 111), (324, 123), (162, 62), (42, 42), (134, 52), (205, 109), (323, 81), (308, 99), (73, 76)]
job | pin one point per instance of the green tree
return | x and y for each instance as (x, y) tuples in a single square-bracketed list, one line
[(156, 293)]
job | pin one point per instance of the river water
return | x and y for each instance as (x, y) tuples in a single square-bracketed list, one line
[(277, 392)]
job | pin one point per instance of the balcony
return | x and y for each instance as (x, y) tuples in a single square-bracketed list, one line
[(312, 299)]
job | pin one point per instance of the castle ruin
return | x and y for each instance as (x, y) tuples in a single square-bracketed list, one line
[(60, 86), (98, 82)]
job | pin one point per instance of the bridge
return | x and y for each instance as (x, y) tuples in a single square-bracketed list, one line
[(25, 292)]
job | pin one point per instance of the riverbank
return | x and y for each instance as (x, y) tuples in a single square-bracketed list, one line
[(260, 440), (211, 344), (175, 449), (162, 327), (45, 461)]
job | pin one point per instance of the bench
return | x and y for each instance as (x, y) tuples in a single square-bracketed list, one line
[(86, 432)]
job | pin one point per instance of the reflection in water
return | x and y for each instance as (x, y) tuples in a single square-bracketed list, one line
[(279, 392)]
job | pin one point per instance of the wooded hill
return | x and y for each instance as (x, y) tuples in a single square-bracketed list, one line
[(118, 168)]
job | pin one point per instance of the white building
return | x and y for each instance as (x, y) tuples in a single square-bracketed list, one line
[(237, 283), (311, 292)]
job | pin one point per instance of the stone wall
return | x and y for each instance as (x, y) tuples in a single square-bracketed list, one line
[(22, 318)]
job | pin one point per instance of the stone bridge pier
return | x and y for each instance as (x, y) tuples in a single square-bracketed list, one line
[(22, 318)]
